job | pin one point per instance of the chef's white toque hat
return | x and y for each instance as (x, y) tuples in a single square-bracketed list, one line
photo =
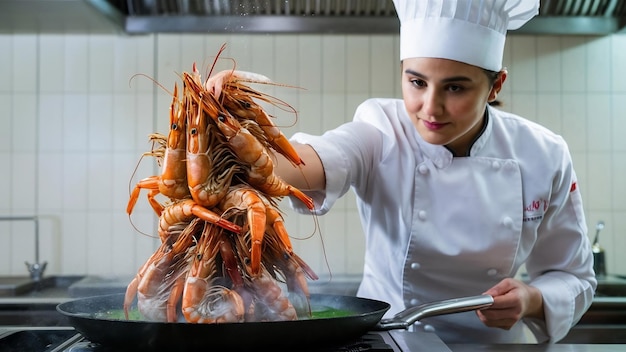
[(469, 31)]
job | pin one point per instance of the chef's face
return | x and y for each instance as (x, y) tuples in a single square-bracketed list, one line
[(446, 99)]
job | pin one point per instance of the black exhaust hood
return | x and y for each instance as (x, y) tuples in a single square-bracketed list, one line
[(556, 17)]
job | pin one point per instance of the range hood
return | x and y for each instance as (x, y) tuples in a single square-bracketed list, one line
[(557, 17), (580, 17)]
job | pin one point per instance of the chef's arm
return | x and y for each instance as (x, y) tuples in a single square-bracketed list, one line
[(307, 176)]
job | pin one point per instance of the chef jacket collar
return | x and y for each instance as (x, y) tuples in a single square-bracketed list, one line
[(442, 157)]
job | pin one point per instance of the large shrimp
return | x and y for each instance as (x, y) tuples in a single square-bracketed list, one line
[(271, 304), (237, 98), (203, 300), (278, 253), (211, 166), (173, 179), (185, 210), (243, 198), (245, 145), (159, 282)]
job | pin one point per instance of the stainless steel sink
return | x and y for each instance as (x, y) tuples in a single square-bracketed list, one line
[(596, 334), (24, 302), (21, 286), (37, 339)]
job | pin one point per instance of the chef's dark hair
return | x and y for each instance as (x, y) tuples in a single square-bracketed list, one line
[(493, 76)]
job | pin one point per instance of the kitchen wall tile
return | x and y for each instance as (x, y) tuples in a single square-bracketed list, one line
[(77, 69), (6, 141), (75, 232), (6, 252), (74, 181), (355, 243), (310, 64), (285, 59), (599, 193), (122, 245), (309, 110), (124, 115), (598, 70), (332, 113), (334, 56), (261, 61), (6, 186), (526, 105), (548, 64), (75, 132), (50, 175), (615, 253), (334, 250), (6, 63), (25, 49), (383, 74), (50, 121), (618, 186), (579, 160), (573, 121), (99, 181), (573, 63), (51, 62), (24, 128), (144, 119), (192, 51), (100, 123), (23, 168), (23, 242), (618, 121), (599, 123), (145, 61), (548, 110), (97, 238), (358, 65), (523, 70), (618, 64), (101, 63)]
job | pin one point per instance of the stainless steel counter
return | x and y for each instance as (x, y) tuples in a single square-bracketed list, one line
[(537, 348)]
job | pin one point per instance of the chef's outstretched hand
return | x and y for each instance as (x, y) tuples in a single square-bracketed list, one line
[(215, 82), (512, 301)]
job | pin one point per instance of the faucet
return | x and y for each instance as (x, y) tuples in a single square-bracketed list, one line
[(35, 269)]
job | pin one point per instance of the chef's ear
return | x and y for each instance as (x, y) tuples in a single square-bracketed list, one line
[(497, 84)]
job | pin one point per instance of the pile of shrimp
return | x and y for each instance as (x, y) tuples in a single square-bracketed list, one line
[(225, 254)]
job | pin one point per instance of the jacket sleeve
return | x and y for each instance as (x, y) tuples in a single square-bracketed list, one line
[(344, 157), (561, 263)]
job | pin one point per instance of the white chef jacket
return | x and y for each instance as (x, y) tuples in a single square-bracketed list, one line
[(439, 227)]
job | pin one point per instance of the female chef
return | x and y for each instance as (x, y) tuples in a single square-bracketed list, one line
[(455, 195)]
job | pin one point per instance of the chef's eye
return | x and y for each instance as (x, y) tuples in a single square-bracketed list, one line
[(455, 88), (418, 83)]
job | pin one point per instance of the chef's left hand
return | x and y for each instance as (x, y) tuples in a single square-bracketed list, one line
[(513, 300)]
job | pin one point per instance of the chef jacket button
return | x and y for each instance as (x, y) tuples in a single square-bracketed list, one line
[(492, 272), (507, 222), (414, 301), (415, 266), (429, 328), (495, 165), (422, 169), (421, 215)]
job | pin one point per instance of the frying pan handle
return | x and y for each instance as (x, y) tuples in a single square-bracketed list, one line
[(409, 316)]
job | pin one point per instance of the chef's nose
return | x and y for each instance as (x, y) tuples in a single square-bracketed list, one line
[(433, 102)]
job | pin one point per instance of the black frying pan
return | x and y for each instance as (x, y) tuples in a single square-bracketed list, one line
[(85, 315)]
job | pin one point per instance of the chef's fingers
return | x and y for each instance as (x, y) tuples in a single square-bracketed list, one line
[(502, 287), (500, 320), (215, 83)]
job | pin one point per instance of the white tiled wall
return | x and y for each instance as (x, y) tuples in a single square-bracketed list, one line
[(76, 111)]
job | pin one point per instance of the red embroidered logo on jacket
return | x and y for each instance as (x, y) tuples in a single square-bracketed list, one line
[(535, 210)]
